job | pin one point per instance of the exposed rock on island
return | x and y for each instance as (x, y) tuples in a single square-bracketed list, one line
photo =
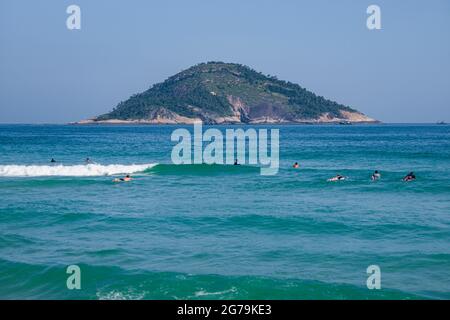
[(227, 93)]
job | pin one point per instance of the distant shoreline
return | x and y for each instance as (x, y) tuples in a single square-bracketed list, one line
[(144, 122), (222, 124)]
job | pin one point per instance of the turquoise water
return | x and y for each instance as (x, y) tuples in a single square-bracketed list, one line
[(225, 232)]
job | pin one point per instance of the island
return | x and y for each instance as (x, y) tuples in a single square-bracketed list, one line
[(228, 93)]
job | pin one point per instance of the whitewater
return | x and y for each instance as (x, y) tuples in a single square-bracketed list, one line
[(89, 170)]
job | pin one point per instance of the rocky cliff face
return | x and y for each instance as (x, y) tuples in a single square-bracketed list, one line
[(221, 93)]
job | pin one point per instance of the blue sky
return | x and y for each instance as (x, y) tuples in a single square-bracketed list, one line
[(49, 74)]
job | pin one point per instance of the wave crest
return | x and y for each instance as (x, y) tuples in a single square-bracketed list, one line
[(88, 170)]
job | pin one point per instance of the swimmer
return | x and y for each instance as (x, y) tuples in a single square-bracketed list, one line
[(410, 177), (124, 179), (376, 175), (337, 178), (295, 166)]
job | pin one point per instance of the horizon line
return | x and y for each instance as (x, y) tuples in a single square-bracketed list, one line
[(174, 124)]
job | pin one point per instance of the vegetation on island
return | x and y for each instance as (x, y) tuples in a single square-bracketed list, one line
[(205, 91)]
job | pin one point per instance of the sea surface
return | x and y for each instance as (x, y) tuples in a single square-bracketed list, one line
[(221, 231)]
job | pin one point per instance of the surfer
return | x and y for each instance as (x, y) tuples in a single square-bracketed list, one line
[(376, 175), (410, 177), (124, 179), (53, 160), (337, 178), (88, 161), (295, 166), (236, 162)]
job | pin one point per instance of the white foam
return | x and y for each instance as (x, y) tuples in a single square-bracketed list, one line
[(206, 293), (88, 170), (117, 295)]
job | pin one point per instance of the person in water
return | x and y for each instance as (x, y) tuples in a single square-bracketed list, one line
[(295, 166), (124, 179), (88, 161), (53, 160), (410, 177), (236, 162), (337, 178), (376, 175)]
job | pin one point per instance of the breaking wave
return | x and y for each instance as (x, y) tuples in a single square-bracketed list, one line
[(88, 170)]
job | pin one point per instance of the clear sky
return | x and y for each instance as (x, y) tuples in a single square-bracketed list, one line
[(49, 74)]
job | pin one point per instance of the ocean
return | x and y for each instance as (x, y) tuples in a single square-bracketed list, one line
[(220, 231)]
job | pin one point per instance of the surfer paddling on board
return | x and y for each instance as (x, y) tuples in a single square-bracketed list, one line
[(337, 178), (410, 177), (127, 178)]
